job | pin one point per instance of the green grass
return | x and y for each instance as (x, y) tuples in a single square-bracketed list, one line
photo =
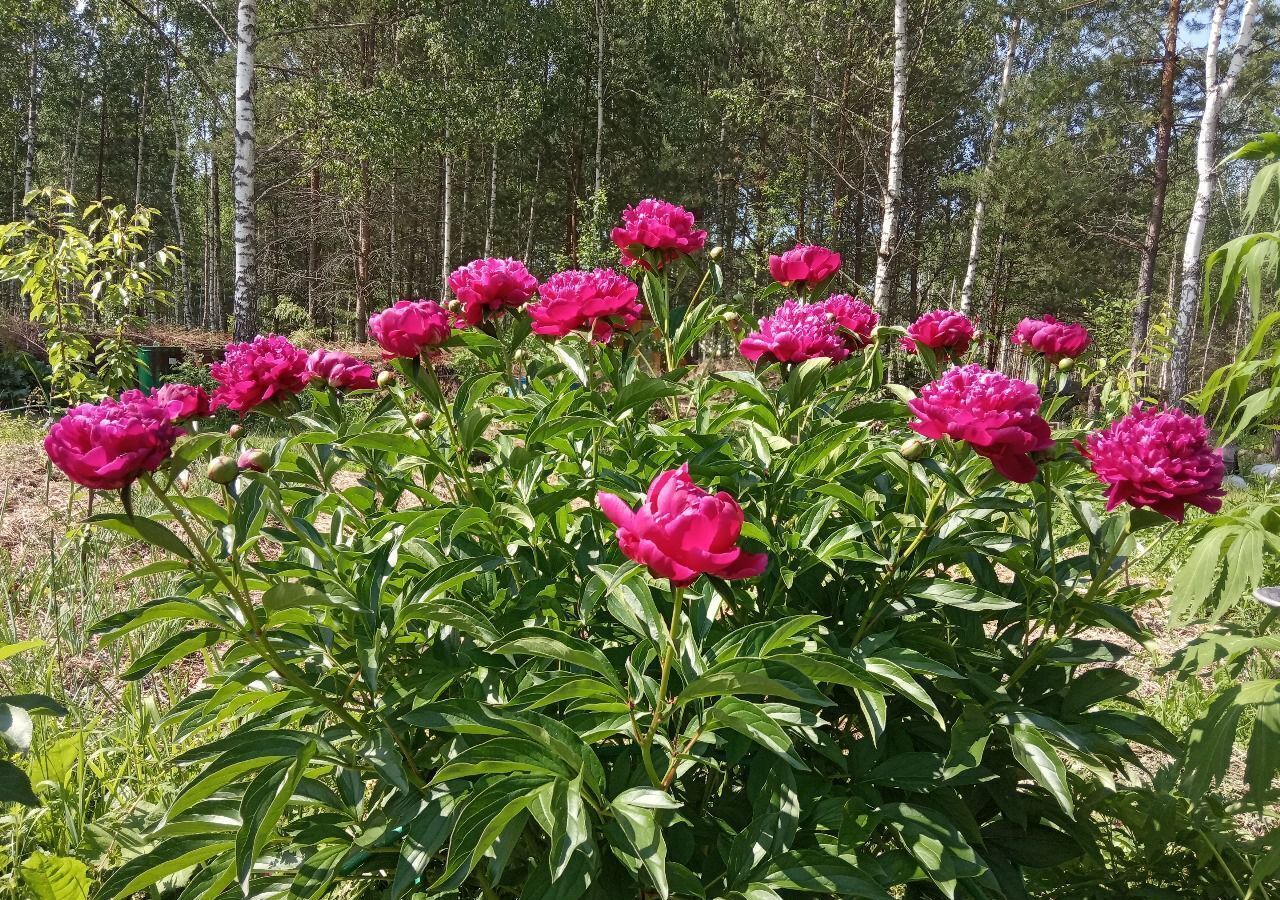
[(97, 770)]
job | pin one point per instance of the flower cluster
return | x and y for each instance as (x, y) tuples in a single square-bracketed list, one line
[(654, 232), (946, 333), (798, 331), (998, 416), (108, 445), (1051, 338), (597, 301), (410, 327), (1158, 458), (806, 264), (680, 531), (264, 369), (488, 287)]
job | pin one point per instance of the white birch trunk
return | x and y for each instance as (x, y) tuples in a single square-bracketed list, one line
[(242, 175), (1216, 94), (980, 207), (893, 182), (446, 224), (139, 157)]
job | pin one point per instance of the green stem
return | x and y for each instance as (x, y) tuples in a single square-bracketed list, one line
[(255, 638), (660, 699)]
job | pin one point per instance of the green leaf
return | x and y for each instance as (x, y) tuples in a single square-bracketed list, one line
[(49, 877), (750, 720), (1033, 751), (261, 807), (816, 872), (15, 727), (173, 648), (148, 530), (639, 829), (15, 786), (934, 842), (8, 650), (163, 860), (752, 675), (549, 644)]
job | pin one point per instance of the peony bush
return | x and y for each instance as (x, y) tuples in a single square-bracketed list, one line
[(623, 625)]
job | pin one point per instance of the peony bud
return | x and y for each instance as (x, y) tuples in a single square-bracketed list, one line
[(716, 252), (879, 333), (386, 379), (1066, 364), (254, 460), (235, 432), (222, 470), (912, 448), (183, 481), (422, 419), (731, 318)]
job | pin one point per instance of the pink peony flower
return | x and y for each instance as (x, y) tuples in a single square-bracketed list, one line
[(1046, 335), (943, 331), (266, 368), (806, 263), (1159, 458), (181, 402), (108, 445), (796, 332), (680, 531), (409, 327), (654, 232), (486, 287), (998, 416), (599, 301), (341, 371), (855, 318)]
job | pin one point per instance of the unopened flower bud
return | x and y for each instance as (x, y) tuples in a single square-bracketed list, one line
[(1066, 364), (236, 431), (386, 378), (715, 252), (222, 470), (879, 333), (254, 461), (731, 318), (421, 419), (912, 448), (183, 481)]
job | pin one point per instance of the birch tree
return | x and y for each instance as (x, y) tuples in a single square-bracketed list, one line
[(980, 206), (1216, 93), (893, 180), (242, 174)]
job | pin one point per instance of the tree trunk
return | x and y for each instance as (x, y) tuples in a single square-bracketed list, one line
[(1216, 94), (446, 234), (142, 135), (215, 240), (599, 92), (493, 198), (980, 206), (363, 246), (893, 183), (184, 290), (102, 141), (33, 97), (533, 208), (74, 161), (1160, 178), (242, 175), (313, 242)]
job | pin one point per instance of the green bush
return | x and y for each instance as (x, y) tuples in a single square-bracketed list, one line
[(444, 679)]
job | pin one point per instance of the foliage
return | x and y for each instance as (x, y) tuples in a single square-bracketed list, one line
[(88, 278), (448, 679)]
